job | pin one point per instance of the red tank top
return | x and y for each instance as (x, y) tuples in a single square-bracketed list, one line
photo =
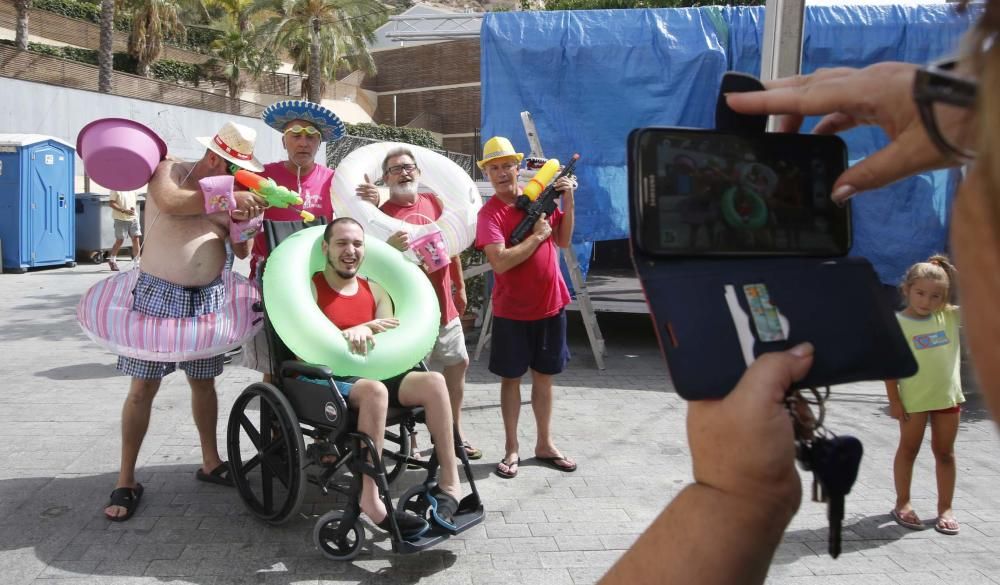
[(345, 311)]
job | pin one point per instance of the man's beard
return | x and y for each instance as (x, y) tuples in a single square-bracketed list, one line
[(341, 273), (409, 188)]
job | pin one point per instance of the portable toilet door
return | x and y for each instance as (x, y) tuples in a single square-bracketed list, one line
[(37, 215)]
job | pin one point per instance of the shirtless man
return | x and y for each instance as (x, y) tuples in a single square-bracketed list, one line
[(181, 277)]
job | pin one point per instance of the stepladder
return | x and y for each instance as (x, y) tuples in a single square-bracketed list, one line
[(583, 300)]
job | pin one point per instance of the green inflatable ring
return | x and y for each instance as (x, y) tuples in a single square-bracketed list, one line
[(306, 331), (758, 216)]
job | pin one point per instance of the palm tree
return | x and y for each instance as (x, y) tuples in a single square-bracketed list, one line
[(21, 29), (105, 56), (152, 21), (239, 10), (336, 32), (238, 57)]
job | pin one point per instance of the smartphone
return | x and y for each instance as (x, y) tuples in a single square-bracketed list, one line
[(699, 192)]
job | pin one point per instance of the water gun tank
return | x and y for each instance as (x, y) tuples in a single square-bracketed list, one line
[(541, 179)]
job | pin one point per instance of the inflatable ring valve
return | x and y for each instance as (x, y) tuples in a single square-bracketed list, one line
[(307, 332), (758, 215), (438, 173), (106, 316)]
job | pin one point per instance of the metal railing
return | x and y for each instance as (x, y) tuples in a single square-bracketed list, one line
[(28, 66)]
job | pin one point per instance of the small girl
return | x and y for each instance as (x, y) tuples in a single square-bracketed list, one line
[(930, 324)]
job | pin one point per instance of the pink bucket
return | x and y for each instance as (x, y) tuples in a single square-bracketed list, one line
[(119, 154), (431, 249)]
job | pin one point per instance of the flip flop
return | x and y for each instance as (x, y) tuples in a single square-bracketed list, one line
[(508, 474), (219, 476), (553, 462), (443, 507), (471, 452), (127, 498), (902, 520), (944, 529)]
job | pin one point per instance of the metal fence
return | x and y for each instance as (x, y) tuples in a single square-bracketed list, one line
[(336, 152), (30, 66)]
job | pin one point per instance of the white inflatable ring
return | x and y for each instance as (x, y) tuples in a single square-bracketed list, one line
[(303, 327), (437, 173), (106, 316)]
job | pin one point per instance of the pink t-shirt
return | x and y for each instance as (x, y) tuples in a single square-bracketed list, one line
[(427, 205), (534, 289), (315, 195)]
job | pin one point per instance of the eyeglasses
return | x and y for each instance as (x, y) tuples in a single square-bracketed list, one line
[(398, 169), (946, 102), (297, 130)]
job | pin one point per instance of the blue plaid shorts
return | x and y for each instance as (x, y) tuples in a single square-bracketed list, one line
[(159, 298)]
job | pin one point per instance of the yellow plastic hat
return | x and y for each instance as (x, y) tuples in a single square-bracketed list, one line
[(498, 147)]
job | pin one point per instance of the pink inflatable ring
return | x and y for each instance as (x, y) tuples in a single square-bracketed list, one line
[(106, 316)]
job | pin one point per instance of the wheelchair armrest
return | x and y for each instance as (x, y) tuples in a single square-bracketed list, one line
[(290, 368)]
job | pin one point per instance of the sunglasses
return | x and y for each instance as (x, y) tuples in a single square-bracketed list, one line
[(297, 130), (946, 102)]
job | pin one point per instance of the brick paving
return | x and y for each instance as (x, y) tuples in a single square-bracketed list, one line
[(59, 422)]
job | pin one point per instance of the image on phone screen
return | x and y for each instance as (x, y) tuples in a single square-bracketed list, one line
[(699, 192)]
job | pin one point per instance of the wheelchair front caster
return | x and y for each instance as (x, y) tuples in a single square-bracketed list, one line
[(337, 538)]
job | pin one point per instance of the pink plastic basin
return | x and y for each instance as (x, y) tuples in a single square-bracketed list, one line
[(119, 154)]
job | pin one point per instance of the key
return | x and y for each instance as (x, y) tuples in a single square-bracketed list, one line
[(835, 463)]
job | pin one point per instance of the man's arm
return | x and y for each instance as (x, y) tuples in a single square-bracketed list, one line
[(172, 198), (458, 280), (502, 258), (725, 527), (563, 234)]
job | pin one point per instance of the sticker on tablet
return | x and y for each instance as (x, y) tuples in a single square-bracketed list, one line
[(770, 324)]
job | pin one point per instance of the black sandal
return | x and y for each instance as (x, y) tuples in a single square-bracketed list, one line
[(127, 498)]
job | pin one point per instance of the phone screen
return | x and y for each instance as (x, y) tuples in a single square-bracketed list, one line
[(698, 192)]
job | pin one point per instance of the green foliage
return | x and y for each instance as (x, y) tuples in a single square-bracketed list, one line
[(417, 136), (84, 10), (165, 69), (475, 288)]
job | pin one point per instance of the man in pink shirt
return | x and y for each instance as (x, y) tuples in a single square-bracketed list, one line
[(304, 126), (529, 300), (401, 174)]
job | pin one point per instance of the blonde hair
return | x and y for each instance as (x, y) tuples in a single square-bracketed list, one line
[(937, 268)]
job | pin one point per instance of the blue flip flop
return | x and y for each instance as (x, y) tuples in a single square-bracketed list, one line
[(443, 507)]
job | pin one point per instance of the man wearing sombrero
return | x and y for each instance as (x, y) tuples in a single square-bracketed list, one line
[(183, 259), (303, 126), (529, 302)]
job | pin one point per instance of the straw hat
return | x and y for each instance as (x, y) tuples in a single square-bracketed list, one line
[(279, 114), (498, 147), (234, 142)]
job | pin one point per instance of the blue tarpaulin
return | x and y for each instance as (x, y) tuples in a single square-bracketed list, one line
[(590, 77)]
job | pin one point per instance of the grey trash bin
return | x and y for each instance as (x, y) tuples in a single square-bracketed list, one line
[(95, 229)]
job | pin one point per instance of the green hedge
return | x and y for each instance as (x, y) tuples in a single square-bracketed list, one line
[(417, 136), (198, 38), (165, 69)]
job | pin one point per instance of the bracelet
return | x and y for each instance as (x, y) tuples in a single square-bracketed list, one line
[(218, 192)]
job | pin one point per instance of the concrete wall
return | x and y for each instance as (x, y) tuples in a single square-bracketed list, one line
[(36, 108)]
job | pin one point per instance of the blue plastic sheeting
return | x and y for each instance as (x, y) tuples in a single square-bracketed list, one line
[(590, 77)]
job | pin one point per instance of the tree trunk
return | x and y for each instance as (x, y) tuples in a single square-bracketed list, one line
[(315, 91), (105, 55), (142, 69), (21, 29)]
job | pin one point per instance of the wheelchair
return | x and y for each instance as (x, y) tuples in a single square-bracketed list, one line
[(271, 466)]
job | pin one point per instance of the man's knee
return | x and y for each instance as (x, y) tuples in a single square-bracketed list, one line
[(142, 391), (370, 393)]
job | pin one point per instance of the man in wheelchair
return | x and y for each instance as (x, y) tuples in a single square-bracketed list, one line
[(362, 310)]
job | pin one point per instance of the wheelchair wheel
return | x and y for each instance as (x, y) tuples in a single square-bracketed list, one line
[(413, 500), (395, 467), (266, 451), (337, 539)]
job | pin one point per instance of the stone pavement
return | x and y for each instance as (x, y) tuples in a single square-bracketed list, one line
[(59, 423)]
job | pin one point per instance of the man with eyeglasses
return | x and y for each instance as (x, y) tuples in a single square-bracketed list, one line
[(529, 302), (303, 126), (449, 355)]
